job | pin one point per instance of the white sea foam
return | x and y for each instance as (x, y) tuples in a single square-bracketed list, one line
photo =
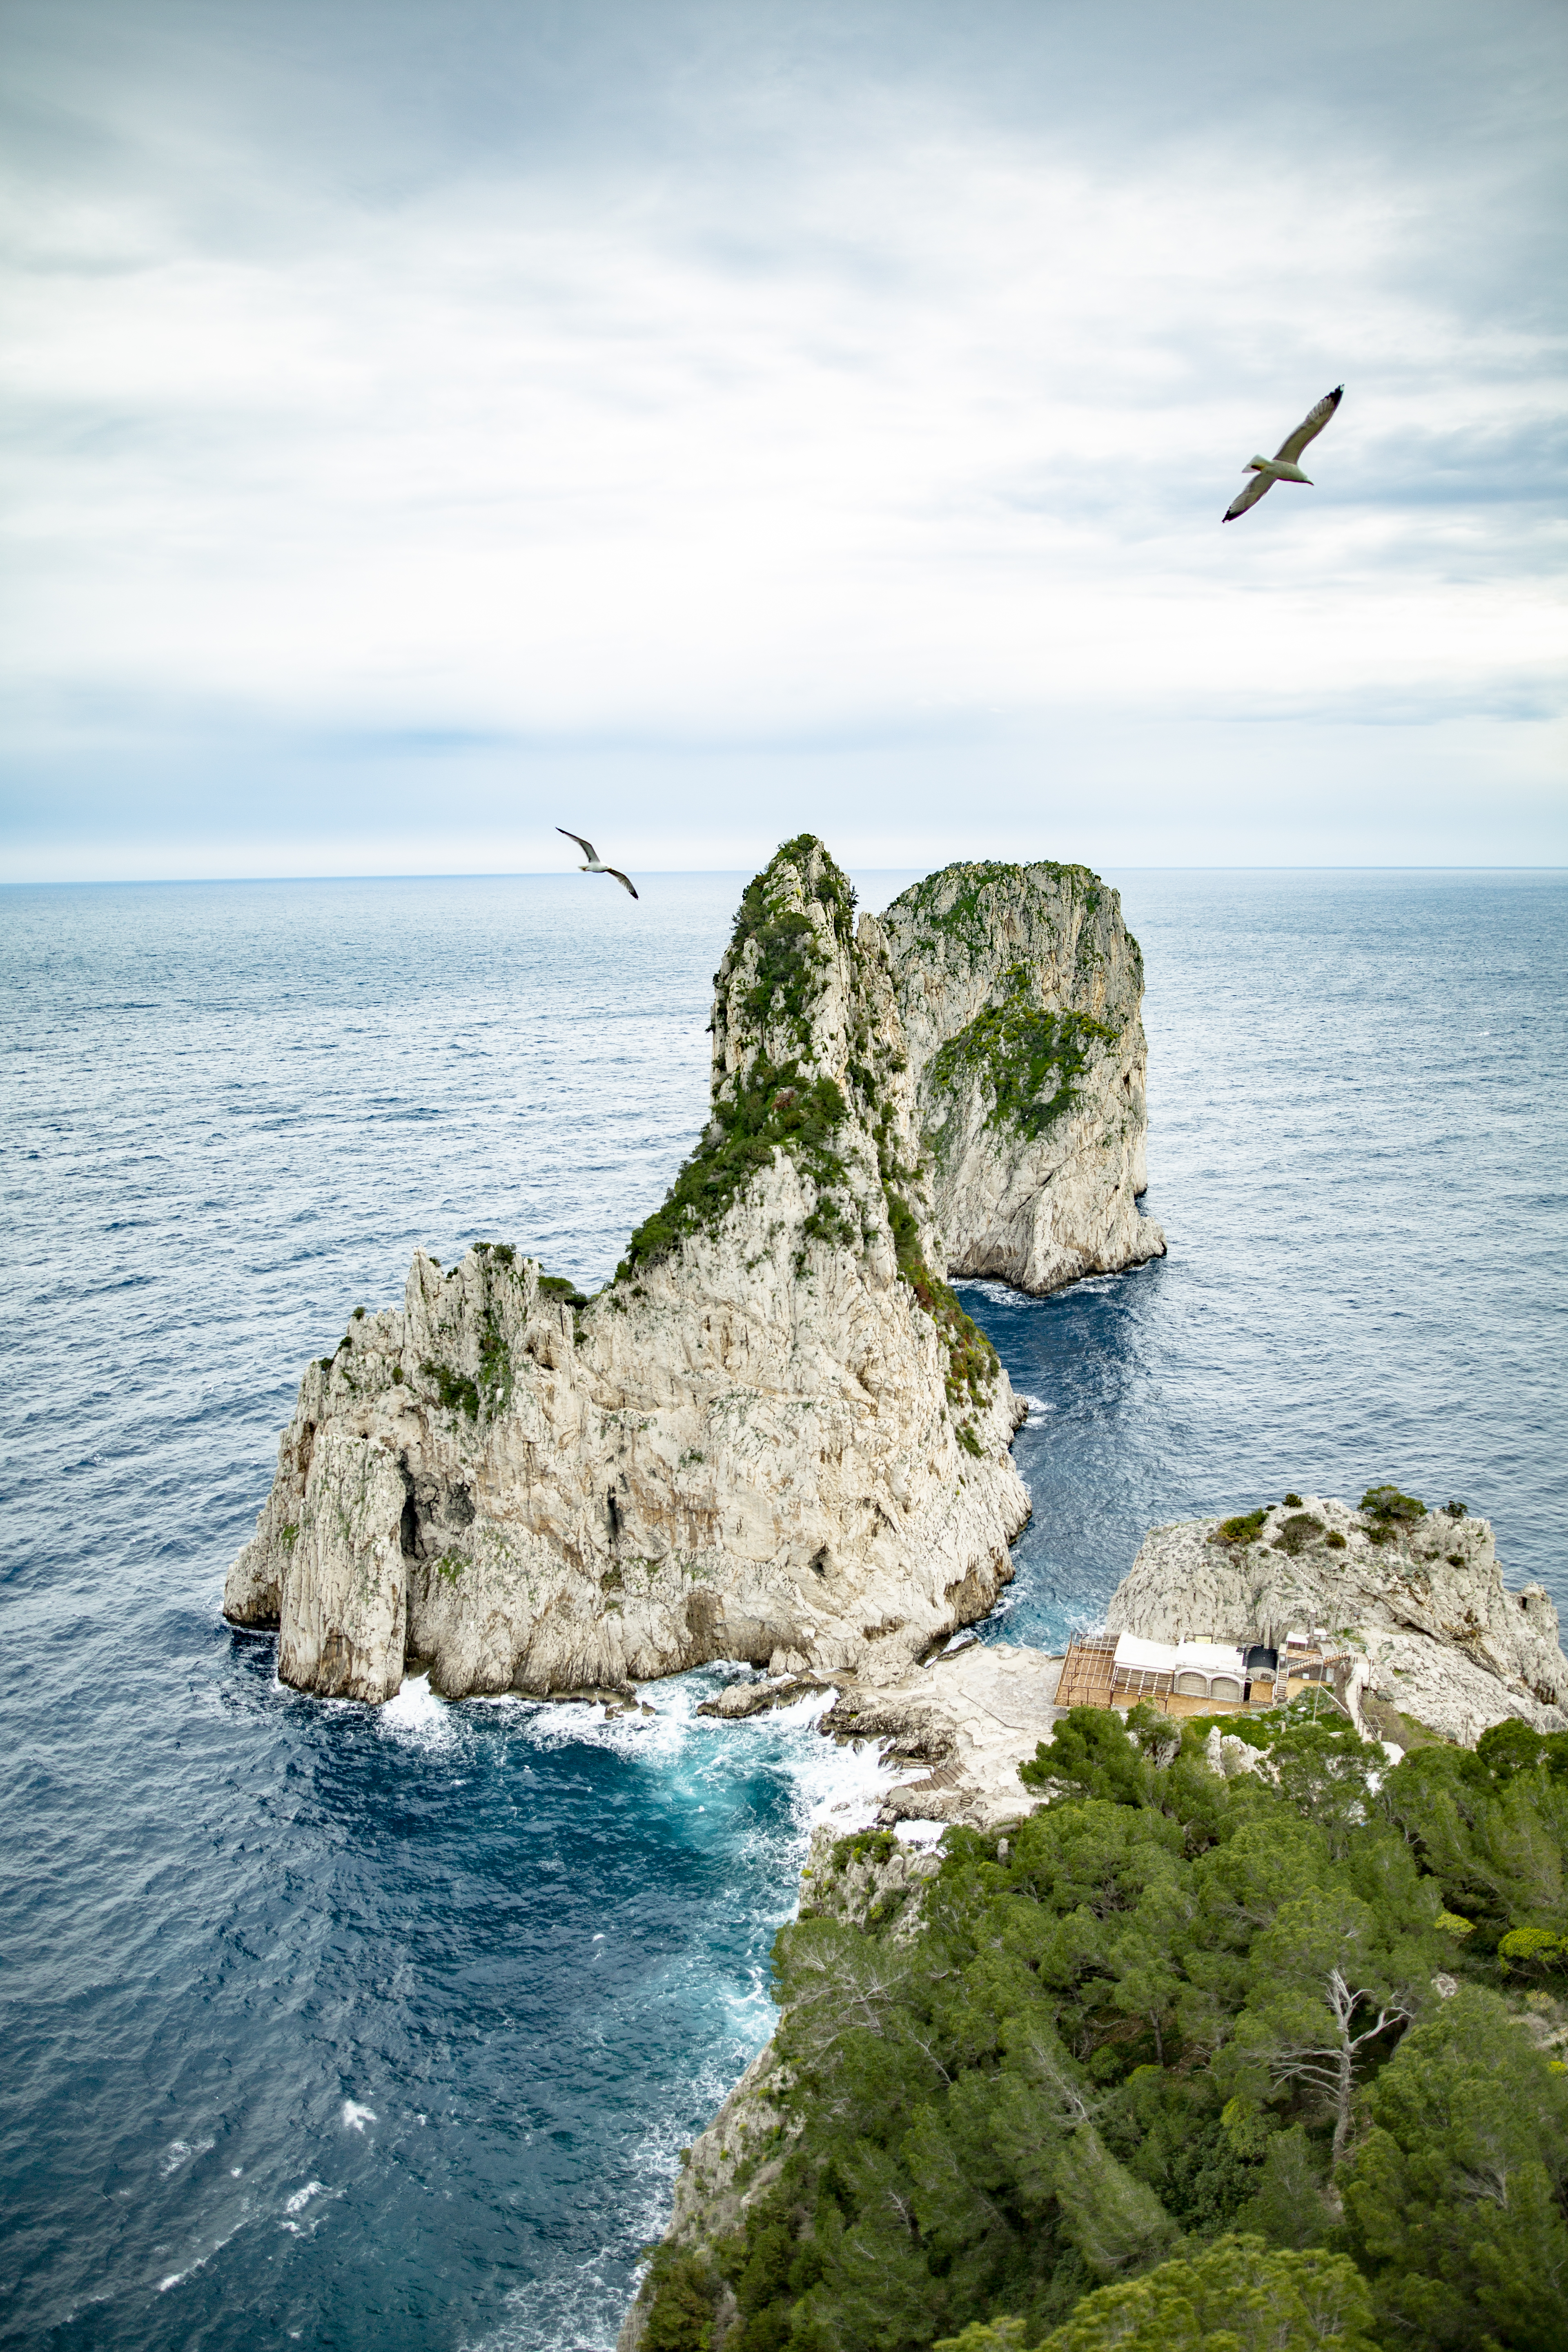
[(297, 2204), (697, 1758), (418, 1716), (355, 2117), (698, 1762), (177, 2278), (180, 2152)]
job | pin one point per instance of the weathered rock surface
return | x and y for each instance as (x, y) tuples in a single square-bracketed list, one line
[(1020, 991), (726, 2168), (777, 1436), (1424, 1603), (972, 1717)]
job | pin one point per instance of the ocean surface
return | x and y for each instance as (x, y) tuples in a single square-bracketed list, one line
[(343, 2029)]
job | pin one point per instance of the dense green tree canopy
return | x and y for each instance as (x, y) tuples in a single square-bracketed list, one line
[(1186, 2053)]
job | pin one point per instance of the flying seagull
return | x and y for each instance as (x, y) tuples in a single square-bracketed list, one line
[(1284, 466), (594, 865)]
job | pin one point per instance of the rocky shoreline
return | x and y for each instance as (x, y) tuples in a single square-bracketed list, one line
[(1448, 1652)]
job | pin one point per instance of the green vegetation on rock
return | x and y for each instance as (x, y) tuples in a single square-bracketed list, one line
[(971, 1360), (455, 1393), (789, 961), (967, 915), (1244, 1529), (769, 1107), (1030, 1060), (1390, 1509), (555, 1285), (770, 1110), (1172, 2064), (496, 1375), (863, 1845)]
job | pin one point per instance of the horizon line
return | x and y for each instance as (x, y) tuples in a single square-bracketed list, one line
[(554, 873)]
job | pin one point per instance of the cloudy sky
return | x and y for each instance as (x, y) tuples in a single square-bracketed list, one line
[(691, 420)]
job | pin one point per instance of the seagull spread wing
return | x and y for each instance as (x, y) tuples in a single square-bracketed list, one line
[(577, 837), (1259, 487), (1310, 428), (618, 875)]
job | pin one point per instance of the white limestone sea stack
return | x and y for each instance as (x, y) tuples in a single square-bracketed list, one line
[(1022, 1008), (775, 1435)]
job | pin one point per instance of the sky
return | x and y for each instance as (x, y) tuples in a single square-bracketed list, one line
[(694, 422)]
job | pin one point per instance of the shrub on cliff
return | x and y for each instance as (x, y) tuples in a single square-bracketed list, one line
[(1388, 1509), (1027, 1060)]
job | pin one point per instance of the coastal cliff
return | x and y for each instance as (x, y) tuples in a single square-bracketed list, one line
[(1164, 1980), (777, 1435), (1418, 1594)]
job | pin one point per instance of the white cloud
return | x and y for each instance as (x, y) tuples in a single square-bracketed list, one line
[(915, 437)]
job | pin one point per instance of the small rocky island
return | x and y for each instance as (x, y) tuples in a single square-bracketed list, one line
[(775, 1435)]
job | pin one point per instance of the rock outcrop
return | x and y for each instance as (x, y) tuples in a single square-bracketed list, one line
[(1019, 989), (1421, 1598), (969, 1720), (777, 1435)]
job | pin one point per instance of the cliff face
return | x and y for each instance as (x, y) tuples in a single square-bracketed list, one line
[(776, 1436), (1423, 1600), (1019, 991)]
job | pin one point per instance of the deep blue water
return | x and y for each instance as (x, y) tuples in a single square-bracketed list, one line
[(343, 2029)]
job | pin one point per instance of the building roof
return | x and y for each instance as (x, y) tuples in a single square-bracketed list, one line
[(1172, 1657)]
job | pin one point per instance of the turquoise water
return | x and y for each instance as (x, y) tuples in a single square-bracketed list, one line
[(335, 2028)]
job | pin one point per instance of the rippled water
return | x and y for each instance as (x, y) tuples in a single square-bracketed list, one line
[(336, 2028)]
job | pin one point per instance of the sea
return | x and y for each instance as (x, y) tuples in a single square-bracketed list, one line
[(343, 2028)]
